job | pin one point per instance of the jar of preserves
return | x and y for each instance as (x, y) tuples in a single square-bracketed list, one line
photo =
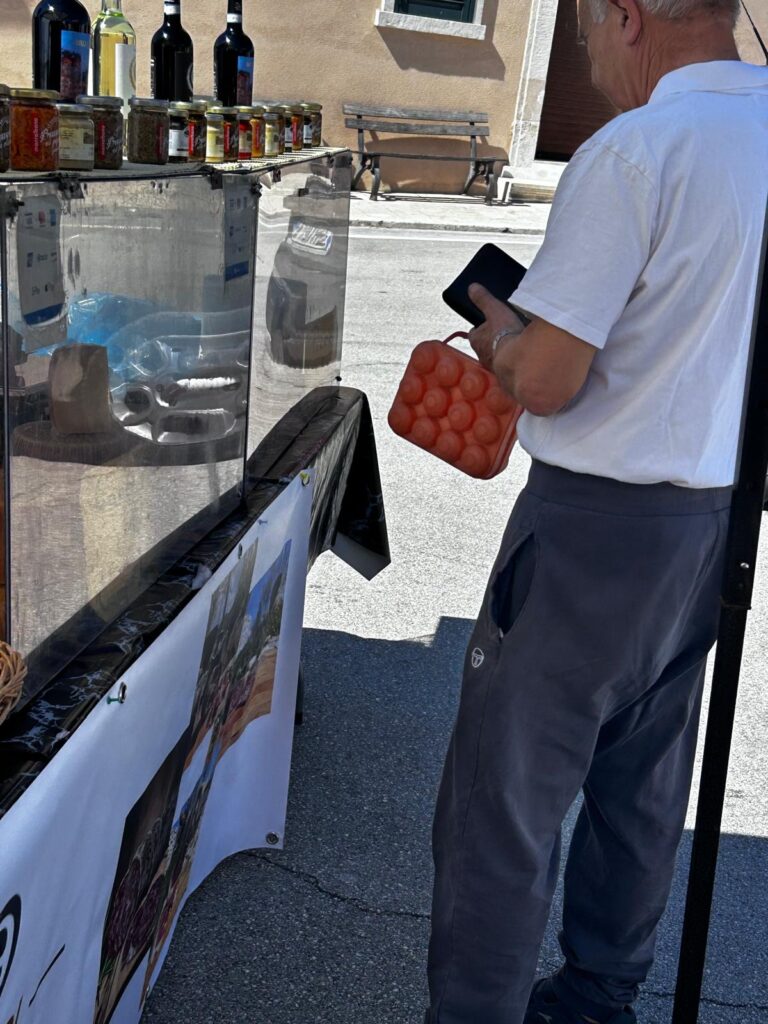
[(5, 128), (34, 130), (317, 124), (178, 134), (148, 130), (282, 120), (244, 133), (297, 128), (214, 150), (257, 133), (76, 138), (198, 140), (108, 129), (308, 133), (231, 134), (272, 134)]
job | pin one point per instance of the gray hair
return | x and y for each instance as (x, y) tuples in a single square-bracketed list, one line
[(672, 9)]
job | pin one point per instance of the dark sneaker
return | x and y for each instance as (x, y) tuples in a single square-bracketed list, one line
[(545, 1008)]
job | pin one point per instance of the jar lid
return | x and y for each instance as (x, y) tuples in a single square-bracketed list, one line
[(245, 110), (258, 111), (270, 115), (217, 108), (315, 107), (147, 103), (40, 95), (210, 116), (4, 91), (295, 108), (180, 107), (73, 109), (105, 102), (198, 106)]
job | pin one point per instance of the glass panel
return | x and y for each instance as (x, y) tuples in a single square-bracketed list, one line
[(448, 10), (300, 293), (129, 326)]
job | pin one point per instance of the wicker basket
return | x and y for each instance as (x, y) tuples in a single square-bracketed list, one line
[(13, 672)]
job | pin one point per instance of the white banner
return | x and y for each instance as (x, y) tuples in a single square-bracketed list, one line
[(149, 795)]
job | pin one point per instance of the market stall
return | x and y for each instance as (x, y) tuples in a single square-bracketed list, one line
[(177, 450)]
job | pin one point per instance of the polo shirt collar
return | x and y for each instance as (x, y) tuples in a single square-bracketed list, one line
[(711, 76)]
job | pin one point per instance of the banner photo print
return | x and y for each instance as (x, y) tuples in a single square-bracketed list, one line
[(150, 795)]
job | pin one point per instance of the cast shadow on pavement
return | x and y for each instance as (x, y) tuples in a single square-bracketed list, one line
[(334, 929)]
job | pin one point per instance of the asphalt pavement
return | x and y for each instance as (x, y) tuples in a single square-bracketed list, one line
[(334, 929)]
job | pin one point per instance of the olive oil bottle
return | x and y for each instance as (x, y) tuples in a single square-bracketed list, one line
[(114, 53)]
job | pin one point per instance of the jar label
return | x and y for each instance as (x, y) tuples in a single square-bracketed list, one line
[(75, 61), (101, 140), (178, 143), (215, 150), (75, 144), (246, 140), (307, 133)]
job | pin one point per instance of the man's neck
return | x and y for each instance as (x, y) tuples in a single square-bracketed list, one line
[(699, 41)]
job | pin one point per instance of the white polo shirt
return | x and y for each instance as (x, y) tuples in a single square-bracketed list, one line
[(652, 255)]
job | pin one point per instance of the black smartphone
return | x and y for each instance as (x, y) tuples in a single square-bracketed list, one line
[(496, 271)]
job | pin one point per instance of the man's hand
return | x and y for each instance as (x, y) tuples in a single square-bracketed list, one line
[(498, 316)]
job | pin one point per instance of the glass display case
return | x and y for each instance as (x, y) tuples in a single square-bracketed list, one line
[(155, 327)]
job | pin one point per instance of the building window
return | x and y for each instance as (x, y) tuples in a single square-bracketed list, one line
[(448, 10), (457, 18)]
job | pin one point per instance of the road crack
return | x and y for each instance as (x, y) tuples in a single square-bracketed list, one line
[(352, 901)]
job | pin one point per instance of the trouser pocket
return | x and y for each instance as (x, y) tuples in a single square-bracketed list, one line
[(511, 585)]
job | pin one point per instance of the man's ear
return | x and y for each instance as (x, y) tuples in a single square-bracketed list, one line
[(631, 16)]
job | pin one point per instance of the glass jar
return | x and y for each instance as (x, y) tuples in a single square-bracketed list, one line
[(231, 133), (148, 129), (198, 141), (214, 150), (178, 135), (109, 130), (317, 124), (297, 128), (77, 150), (34, 130), (272, 134), (244, 133), (281, 121), (308, 129), (257, 133), (5, 128)]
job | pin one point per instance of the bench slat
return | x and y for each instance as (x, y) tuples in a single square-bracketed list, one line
[(415, 113), (416, 129)]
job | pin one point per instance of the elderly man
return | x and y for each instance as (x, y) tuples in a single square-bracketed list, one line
[(586, 667)]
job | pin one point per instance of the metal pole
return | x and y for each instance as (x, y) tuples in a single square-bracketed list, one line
[(738, 583)]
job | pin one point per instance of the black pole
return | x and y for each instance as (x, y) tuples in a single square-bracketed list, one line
[(738, 583)]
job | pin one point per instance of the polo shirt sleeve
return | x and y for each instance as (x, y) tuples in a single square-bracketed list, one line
[(597, 244)]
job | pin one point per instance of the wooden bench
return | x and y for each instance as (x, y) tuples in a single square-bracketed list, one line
[(415, 121)]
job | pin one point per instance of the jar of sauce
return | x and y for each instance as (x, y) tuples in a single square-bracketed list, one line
[(178, 138), (257, 133), (77, 150), (198, 141), (5, 128), (148, 131), (109, 130), (244, 133), (34, 130), (214, 151), (272, 134)]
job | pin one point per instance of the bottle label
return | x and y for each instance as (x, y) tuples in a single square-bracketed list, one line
[(244, 81), (171, 8), (234, 19), (125, 72), (75, 62)]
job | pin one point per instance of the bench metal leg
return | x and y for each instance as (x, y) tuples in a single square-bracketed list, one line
[(376, 178), (491, 180), (365, 162), (474, 173)]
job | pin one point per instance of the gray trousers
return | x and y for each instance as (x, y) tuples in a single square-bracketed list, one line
[(584, 673)]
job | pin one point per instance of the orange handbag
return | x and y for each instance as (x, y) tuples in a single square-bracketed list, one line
[(449, 405)]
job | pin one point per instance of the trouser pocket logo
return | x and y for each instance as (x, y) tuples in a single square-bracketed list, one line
[(478, 657)]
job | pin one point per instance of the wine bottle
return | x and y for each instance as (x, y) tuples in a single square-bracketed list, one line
[(61, 47), (233, 60), (114, 53), (172, 57)]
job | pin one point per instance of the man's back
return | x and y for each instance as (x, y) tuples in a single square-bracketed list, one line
[(652, 256)]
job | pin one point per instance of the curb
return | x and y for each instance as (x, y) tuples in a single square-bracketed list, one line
[(422, 226)]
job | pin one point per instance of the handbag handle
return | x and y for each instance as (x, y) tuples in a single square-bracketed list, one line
[(456, 334)]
